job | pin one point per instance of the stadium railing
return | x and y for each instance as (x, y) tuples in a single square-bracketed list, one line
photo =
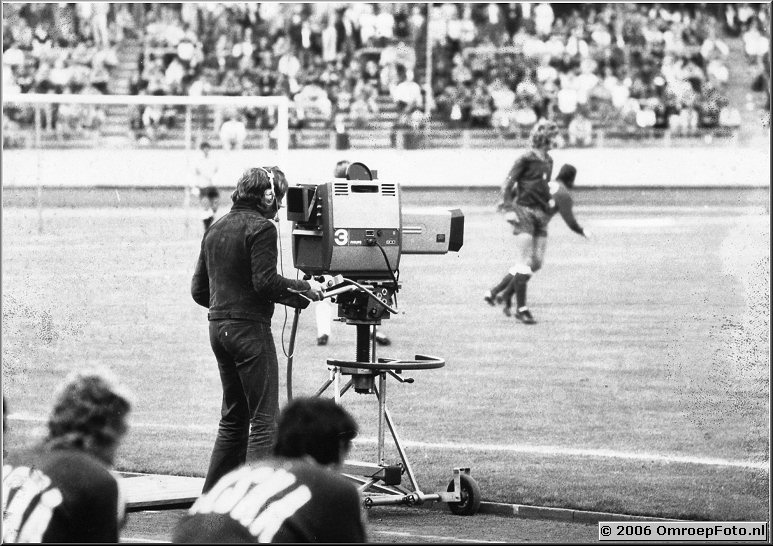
[(197, 118)]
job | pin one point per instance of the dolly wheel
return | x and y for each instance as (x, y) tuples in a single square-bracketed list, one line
[(470, 494)]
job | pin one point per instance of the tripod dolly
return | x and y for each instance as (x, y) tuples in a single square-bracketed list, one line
[(362, 304)]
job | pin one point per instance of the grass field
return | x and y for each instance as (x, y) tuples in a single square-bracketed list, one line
[(644, 388)]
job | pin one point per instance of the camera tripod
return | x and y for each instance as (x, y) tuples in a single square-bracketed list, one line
[(363, 304)]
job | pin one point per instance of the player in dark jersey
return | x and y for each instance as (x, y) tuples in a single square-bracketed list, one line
[(63, 490), (560, 203), (297, 495), (526, 202)]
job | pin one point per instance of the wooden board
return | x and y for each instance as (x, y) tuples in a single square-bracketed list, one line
[(155, 490)]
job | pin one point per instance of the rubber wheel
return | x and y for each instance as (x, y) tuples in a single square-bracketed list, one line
[(470, 494)]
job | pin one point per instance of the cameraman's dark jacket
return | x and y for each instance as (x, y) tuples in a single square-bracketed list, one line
[(236, 273)]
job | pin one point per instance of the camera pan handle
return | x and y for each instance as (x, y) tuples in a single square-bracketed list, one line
[(419, 362)]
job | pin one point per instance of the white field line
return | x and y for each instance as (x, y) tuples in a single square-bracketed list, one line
[(134, 540), (511, 448), (436, 538)]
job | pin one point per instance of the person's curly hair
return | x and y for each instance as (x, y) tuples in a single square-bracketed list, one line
[(89, 414), (543, 134)]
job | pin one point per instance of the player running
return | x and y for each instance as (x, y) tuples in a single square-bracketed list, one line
[(561, 203), (526, 200)]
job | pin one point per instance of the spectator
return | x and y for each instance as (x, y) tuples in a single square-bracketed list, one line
[(384, 25), (364, 105), (233, 133), (367, 23), (152, 116), (290, 67), (480, 111), (63, 490), (329, 40), (730, 117), (524, 115), (99, 23), (125, 25), (503, 102), (713, 47), (387, 64), (316, 502), (93, 115), (372, 74), (567, 98), (407, 93), (173, 77), (645, 115), (755, 44), (527, 92), (710, 104), (60, 75), (187, 49), (580, 130), (543, 19), (460, 73), (99, 78), (415, 24), (314, 102)]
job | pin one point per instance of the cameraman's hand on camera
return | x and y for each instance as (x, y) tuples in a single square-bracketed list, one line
[(316, 292)]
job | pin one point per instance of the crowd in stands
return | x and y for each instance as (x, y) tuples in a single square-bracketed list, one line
[(492, 65), (59, 48), (641, 65)]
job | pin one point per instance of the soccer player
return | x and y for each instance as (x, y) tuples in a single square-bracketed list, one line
[(236, 279), (526, 200), (206, 169), (296, 495), (63, 490), (561, 203)]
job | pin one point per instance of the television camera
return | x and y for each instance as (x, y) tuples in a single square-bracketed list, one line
[(354, 227), (351, 233)]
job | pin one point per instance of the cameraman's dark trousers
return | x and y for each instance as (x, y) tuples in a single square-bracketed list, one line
[(249, 373)]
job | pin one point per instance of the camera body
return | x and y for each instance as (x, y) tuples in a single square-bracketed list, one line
[(355, 227)]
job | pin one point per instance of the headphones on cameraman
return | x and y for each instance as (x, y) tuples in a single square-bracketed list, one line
[(270, 173)]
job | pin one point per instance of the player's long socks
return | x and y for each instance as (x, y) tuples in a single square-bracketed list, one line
[(507, 295), (519, 283), (504, 283)]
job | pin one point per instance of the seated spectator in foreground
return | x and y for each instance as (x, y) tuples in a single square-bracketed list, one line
[(63, 490), (296, 495)]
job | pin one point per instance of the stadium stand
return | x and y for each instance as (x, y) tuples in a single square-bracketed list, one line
[(615, 71)]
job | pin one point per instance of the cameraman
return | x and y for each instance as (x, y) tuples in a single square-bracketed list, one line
[(236, 278)]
